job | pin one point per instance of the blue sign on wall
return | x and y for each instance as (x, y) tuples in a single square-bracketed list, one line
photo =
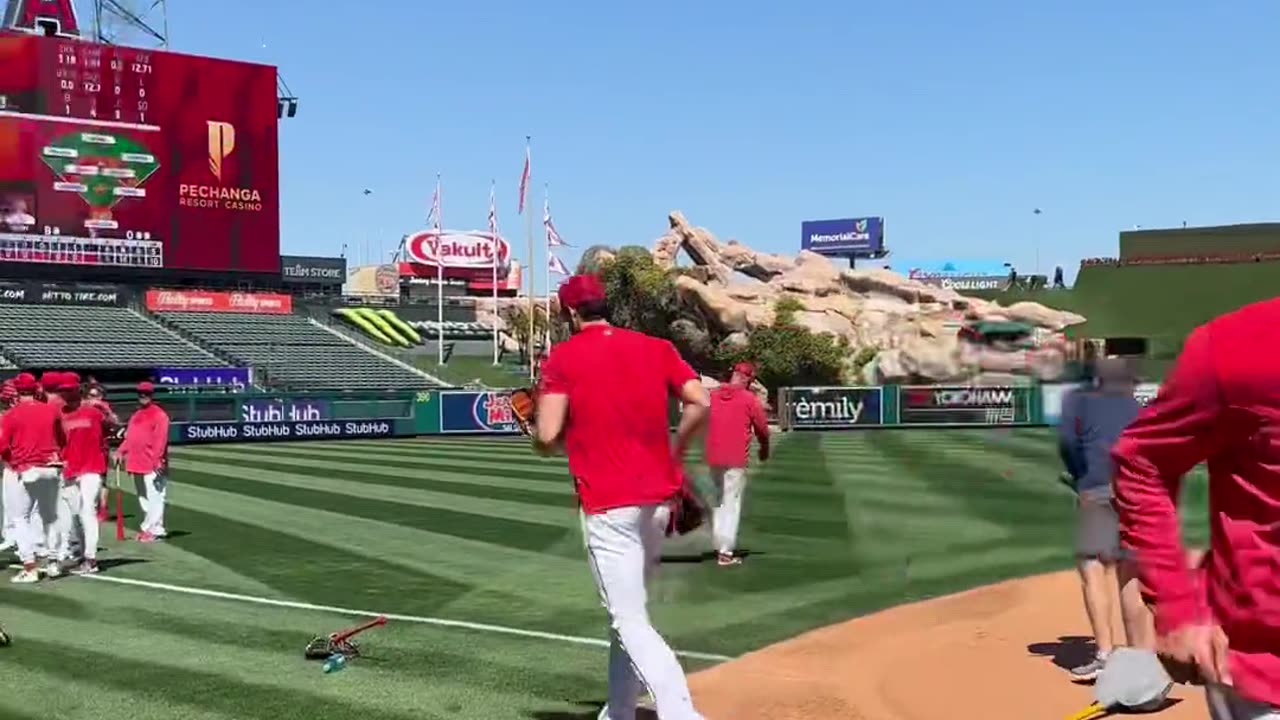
[(850, 237), (191, 433), (477, 412), (233, 376)]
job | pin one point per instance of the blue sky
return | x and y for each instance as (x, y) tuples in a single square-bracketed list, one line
[(953, 121)]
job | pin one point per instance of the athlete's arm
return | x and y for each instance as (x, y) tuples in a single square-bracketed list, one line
[(552, 405)]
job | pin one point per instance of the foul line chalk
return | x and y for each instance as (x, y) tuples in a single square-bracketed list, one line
[(438, 622)]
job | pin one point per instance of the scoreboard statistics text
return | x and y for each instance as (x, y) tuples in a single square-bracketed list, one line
[(132, 157)]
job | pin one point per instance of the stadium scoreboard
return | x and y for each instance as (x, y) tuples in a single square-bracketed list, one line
[(128, 157)]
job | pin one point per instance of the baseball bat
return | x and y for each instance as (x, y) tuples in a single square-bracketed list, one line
[(352, 631), (1093, 710), (119, 508)]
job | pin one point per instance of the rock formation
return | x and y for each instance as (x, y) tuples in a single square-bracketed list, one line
[(899, 330)]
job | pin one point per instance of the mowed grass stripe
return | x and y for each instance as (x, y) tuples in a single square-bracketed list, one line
[(375, 482), (474, 526)]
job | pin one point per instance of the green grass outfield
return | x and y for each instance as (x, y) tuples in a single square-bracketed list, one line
[(474, 544)]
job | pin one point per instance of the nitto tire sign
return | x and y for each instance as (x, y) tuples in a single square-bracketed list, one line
[(832, 408), (964, 405)]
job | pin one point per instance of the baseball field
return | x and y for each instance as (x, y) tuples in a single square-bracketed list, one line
[(472, 548)]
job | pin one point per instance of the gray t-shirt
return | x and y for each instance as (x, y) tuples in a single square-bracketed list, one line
[(1092, 420)]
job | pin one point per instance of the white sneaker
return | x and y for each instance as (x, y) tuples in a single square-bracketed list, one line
[(8, 545), (86, 567), (26, 577), (52, 569)]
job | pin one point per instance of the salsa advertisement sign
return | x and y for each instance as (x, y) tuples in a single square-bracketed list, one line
[(477, 412), (228, 302), (849, 237), (192, 433), (964, 405), (832, 408)]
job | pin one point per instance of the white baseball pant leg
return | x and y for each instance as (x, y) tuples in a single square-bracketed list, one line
[(88, 485), (19, 505), (48, 488), (731, 484), (622, 545), (68, 506), (1225, 704), (6, 524), (152, 489)]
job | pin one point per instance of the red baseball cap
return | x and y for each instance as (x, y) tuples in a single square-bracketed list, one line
[(745, 369), (49, 379), (579, 290), (25, 383), (146, 388), (68, 381)]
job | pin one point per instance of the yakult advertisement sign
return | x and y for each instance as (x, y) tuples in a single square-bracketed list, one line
[(454, 249)]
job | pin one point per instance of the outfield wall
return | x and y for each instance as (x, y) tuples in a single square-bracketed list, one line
[(288, 417)]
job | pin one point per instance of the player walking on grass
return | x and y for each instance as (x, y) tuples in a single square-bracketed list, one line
[(604, 395), (144, 453), (8, 539), (1220, 403), (84, 427), (95, 396), (736, 413), (30, 438)]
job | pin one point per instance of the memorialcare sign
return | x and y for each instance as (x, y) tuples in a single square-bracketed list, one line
[(833, 408), (477, 412), (964, 405), (193, 433)]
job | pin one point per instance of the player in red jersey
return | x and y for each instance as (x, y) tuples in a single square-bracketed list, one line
[(145, 454), (30, 438), (84, 426), (736, 415), (604, 394), (8, 540), (44, 522), (95, 396)]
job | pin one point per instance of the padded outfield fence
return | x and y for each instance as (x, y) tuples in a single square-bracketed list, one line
[(279, 417)]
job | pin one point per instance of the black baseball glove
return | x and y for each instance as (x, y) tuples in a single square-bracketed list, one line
[(321, 647), (5, 640), (687, 511)]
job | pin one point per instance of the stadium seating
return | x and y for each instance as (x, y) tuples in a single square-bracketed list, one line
[(292, 351), (43, 336), (454, 330)]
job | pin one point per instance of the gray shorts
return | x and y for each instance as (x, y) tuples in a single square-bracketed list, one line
[(1097, 526)]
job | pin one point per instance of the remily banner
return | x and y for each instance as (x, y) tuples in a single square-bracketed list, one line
[(228, 302)]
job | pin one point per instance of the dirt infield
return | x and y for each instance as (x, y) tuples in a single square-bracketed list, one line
[(998, 652)]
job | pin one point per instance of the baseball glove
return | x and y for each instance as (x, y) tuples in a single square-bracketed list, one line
[(687, 511), (524, 406), (321, 647)]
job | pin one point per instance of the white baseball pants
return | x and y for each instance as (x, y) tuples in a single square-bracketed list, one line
[(731, 484), (78, 500), (1225, 704), (26, 495), (7, 533), (152, 489), (623, 549)]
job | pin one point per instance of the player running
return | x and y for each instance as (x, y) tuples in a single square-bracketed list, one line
[(144, 453), (84, 426), (604, 393), (736, 413), (30, 438)]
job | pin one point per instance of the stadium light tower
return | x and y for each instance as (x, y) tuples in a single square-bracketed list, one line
[(135, 23)]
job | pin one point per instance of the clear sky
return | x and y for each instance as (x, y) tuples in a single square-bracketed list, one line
[(953, 121)]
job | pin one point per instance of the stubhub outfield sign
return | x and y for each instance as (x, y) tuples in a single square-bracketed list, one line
[(849, 237), (193, 433)]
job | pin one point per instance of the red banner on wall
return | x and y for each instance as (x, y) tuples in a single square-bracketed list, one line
[(209, 301)]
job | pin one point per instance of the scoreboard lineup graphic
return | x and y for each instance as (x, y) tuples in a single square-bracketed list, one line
[(124, 157)]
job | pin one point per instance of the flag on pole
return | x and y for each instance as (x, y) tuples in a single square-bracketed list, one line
[(433, 217), (556, 266), (493, 237), (553, 236), (524, 178), (493, 221)]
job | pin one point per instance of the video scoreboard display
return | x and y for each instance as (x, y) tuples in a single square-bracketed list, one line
[(126, 157)]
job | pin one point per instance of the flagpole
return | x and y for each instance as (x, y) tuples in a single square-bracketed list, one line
[(439, 281), (493, 230), (528, 230), (546, 266)]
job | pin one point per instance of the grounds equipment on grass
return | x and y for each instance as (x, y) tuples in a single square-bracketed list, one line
[(1132, 680), (322, 647)]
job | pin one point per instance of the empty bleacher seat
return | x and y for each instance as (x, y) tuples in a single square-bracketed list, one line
[(454, 330), (44, 336), (292, 351)]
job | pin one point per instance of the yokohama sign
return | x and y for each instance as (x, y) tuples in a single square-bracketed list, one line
[(452, 249), (207, 301)]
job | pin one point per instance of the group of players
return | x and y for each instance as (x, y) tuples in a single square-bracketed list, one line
[(54, 434)]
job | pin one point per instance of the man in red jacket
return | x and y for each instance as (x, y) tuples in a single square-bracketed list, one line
[(1220, 403), (604, 395), (84, 427), (30, 438), (736, 413), (8, 539), (145, 455)]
